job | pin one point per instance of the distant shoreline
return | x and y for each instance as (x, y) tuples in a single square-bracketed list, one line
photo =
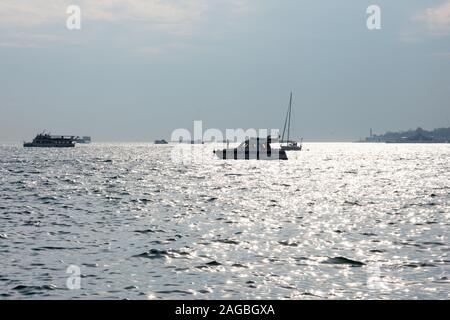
[(439, 135)]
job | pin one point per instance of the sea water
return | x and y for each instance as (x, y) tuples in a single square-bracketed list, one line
[(335, 221)]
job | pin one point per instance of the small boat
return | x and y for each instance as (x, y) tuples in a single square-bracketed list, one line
[(84, 139), (161, 141), (286, 144), (45, 140), (253, 149)]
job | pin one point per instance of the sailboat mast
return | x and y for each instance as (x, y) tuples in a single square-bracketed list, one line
[(285, 124), (289, 121)]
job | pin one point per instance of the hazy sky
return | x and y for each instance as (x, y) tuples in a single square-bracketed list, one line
[(139, 69)]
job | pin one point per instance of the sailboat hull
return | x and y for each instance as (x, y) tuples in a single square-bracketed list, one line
[(291, 148)]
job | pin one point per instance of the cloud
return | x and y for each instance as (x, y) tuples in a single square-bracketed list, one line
[(173, 19), (437, 19), (154, 12), (21, 13)]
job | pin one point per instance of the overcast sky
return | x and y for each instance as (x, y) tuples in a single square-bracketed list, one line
[(139, 69)]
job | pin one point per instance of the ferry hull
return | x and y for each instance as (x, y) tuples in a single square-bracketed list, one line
[(47, 145)]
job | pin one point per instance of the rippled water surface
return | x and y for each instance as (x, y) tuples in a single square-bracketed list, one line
[(335, 221)]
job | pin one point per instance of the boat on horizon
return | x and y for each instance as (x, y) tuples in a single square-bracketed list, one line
[(252, 149), (83, 139), (286, 144), (162, 141), (45, 140)]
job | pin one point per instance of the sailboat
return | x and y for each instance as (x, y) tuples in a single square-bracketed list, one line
[(287, 144)]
